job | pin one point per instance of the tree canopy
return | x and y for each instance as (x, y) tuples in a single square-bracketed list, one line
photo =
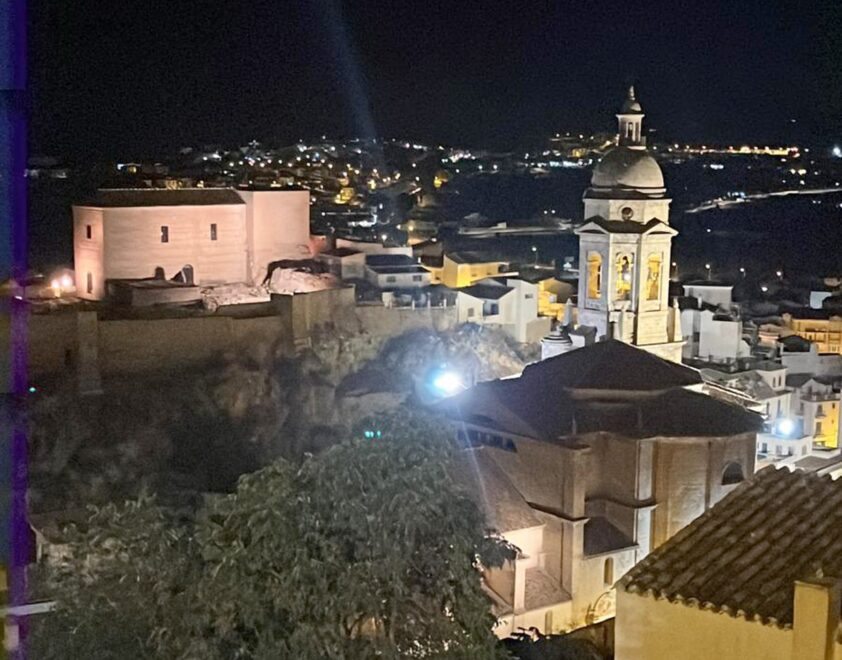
[(366, 550)]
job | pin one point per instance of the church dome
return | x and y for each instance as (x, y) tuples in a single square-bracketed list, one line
[(623, 167)]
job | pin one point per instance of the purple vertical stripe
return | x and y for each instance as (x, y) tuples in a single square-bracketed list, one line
[(13, 90)]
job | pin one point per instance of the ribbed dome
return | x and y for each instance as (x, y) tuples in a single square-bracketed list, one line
[(623, 167)]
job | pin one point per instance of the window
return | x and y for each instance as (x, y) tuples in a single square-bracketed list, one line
[(653, 277), (391, 278), (471, 311), (733, 474), (213, 231), (818, 428), (165, 234), (89, 283), (594, 276), (528, 296), (89, 232), (765, 448), (608, 571), (625, 268), (417, 278), (548, 622)]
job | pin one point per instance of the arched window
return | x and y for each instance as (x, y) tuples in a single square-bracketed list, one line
[(733, 474), (608, 571), (625, 272), (594, 275), (653, 277)]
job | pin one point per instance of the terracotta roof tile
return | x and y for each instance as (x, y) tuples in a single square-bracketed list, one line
[(744, 555)]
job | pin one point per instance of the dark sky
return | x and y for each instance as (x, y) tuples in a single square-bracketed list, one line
[(120, 79)]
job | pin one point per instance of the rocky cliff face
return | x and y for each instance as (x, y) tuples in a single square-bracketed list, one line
[(201, 430)]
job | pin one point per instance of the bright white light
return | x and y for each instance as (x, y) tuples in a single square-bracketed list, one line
[(837, 152), (448, 383), (764, 288), (785, 426)]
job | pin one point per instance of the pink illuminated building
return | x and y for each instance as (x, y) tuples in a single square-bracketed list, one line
[(215, 235)]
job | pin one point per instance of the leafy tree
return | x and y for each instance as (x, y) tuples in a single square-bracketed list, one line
[(126, 581), (366, 550)]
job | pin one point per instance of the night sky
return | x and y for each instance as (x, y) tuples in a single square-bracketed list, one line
[(123, 79)]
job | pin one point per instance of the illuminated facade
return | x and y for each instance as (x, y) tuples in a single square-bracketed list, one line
[(217, 235), (822, 329), (625, 244), (461, 269)]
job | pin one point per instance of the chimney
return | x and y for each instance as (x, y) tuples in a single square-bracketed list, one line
[(816, 618)]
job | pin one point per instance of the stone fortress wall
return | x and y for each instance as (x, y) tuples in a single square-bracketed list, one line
[(70, 339)]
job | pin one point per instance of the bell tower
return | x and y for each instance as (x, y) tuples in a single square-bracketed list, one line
[(625, 246), (630, 119)]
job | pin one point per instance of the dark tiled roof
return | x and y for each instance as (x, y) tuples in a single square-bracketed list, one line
[(486, 291), (691, 302), (743, 556), (389, 260), (487, 484), (468, 257), (814, 314), (795, 344), (543, 404), (130, 197), (611, 365), (601, 536), (797, 380), (627, 226), (542, 589), (399, 270)]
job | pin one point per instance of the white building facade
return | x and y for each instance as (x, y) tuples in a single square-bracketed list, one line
[(218, 236)]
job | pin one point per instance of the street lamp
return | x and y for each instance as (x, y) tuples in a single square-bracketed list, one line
[(707, 268), (779, 273), (675, 270), (535, 252), (742, 271)]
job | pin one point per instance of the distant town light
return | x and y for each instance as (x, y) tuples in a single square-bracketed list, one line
[(764, 288), (837, 151)]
